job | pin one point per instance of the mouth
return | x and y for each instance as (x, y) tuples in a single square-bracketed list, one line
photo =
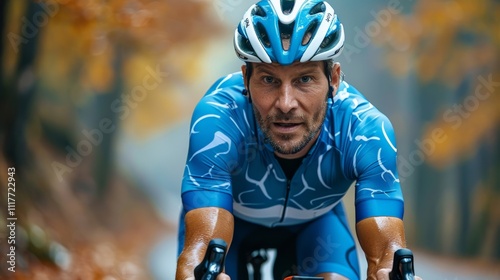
[(282, 124), (286, 127)]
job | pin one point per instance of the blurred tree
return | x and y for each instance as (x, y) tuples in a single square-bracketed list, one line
[(74, 74), (18, 92), (3, 21), (453, 47)]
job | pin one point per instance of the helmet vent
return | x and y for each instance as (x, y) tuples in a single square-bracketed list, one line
[(262, 34), (286, 34), (245, 45), (258, 11), (329, 40), (287, 6), (318, 8), (309, 33)]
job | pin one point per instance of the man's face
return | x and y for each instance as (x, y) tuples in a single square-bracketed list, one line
[(290, 104)]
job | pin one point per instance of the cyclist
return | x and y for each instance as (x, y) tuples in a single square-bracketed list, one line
[(274, 148)]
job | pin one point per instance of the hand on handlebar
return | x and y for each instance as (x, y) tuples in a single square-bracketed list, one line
[(213, 264), (402, 268), (221, 276)]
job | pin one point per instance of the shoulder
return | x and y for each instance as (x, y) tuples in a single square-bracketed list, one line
[(229, 85), (363, 134), (349, 98), (350, 105), (357, 121), (223, 108), (223, 96)]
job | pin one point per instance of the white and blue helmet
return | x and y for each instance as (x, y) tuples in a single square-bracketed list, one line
[(311, 26)]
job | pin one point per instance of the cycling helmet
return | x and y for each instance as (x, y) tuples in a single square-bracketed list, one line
[(311, 26)]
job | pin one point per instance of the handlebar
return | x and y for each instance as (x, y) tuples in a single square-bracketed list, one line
[(402, 267), (303, 278), (213, 262)]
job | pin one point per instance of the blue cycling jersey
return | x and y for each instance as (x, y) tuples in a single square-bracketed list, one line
[(230, 164)]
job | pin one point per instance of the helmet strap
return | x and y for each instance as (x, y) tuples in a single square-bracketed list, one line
[(248, 73), (330, 91), (328, 74)]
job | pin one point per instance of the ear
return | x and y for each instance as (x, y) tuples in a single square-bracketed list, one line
[(244, 71), (335, 78), (246, 92)]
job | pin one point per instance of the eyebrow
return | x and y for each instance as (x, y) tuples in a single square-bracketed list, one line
[(302, 70)]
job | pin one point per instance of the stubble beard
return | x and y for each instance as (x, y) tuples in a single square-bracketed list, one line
[(283, 143)]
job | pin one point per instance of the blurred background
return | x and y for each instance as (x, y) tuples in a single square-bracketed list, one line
[(95, 104)]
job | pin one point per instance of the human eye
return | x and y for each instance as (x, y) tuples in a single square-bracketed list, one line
[(268, 79), (305, 79)]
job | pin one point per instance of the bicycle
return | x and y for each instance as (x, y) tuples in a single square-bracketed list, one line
[(213, 264)]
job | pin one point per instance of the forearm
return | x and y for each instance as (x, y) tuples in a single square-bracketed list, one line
[(379, 238), (202, 225)]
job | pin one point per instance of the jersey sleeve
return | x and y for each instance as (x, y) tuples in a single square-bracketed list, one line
[(371, 160), (212, 154)]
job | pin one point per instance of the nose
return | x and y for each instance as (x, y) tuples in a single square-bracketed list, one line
[(286, 100)]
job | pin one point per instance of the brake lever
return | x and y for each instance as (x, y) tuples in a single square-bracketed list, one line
[(213, 262), (403, 265)]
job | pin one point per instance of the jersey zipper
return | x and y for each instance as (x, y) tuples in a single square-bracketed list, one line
[(288, 186)]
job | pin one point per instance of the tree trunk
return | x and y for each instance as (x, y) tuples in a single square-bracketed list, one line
[(19, 94)]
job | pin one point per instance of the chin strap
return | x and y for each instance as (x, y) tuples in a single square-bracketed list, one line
[(245, 92), (330, 92)]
